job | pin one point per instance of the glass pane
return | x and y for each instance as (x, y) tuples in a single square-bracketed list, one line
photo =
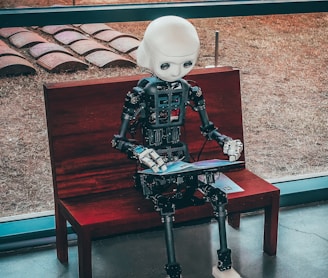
[(282, 60)]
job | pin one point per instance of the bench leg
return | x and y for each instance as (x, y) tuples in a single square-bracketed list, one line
[(61, 236), (234, 220), (271, 227), (84, 251)]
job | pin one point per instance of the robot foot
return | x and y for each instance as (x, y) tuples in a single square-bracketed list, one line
[(230, 273)]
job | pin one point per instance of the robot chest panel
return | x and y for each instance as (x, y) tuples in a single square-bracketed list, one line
[(166, 106)]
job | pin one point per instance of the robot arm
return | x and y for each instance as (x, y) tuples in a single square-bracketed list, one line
[(148, 157), (232, 148)]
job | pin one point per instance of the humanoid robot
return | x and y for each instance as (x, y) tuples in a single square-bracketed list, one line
[(157, 106)]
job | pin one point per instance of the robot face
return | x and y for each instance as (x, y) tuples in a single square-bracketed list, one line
[(169, 48), (172, 68)]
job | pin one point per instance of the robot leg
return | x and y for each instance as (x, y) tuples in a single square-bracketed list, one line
[(219, 200), (224, 268), (167, 210)]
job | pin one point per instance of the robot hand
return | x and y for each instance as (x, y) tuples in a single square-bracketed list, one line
[(233, 149), (150, 158)]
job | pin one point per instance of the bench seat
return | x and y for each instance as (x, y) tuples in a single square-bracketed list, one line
[(93, 184)]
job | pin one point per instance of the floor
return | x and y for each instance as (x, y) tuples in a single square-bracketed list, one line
[(302, 251)]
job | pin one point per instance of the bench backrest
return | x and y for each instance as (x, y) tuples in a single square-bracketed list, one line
[(83, 116)]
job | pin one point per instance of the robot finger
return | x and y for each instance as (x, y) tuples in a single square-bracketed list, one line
[(145, 153), (150, 163), (158, 160), (163, 167), (233, 158), (240, 146)]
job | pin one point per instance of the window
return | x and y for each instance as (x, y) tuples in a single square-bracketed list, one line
[(284, 101)]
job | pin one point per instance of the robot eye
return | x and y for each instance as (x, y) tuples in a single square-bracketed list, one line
[(165, 66), (187, 64)]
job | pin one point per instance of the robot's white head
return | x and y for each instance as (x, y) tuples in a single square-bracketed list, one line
[(169, 48)]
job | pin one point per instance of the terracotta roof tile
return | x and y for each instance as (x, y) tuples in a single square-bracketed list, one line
[(125, 44), (54, 29), (95, 28), (109, 35), (44, 48), (7, 32), (133, 54), (26, 39), (14, 65), (61, 62), (68, 37), (7, 51), (84, 47), (104, 59)]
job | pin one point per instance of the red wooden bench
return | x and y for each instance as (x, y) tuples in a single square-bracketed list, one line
[(93, 186)]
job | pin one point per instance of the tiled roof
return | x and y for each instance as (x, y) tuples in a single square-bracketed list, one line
[(58, 48)]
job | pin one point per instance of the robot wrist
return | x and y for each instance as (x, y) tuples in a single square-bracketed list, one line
[(117, 142), (139, 152), (139, 149)]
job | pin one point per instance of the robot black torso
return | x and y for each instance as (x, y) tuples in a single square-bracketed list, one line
[(159, 108)]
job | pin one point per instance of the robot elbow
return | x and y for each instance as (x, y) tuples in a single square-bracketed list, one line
[(117, 142)]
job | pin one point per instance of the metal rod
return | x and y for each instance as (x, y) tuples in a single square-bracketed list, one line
[(222, 229), (169, 239), (216, 54)]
